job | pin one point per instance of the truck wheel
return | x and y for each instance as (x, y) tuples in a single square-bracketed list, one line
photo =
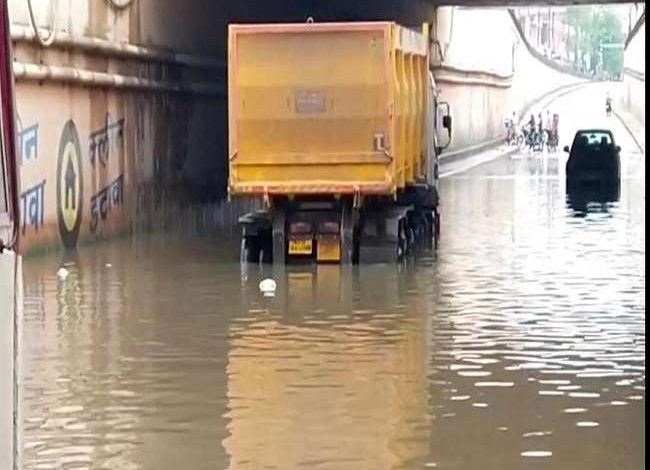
[(249, 251), (265, 246), (279, 237), (410, 240), (428, 229)]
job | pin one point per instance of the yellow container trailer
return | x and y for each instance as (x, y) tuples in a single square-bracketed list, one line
[(334, 125)]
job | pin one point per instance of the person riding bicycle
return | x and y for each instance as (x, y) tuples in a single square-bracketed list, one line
[(511, 126), (531, 123), (530, 130), (608, 104)]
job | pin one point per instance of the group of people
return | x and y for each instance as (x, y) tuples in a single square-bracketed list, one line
[(535, 132), (538, 132)]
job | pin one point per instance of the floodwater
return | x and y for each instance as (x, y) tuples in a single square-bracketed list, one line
[(519, 345)]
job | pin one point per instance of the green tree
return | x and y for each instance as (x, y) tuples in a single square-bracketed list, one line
[(607, 29), (580, 18), (595, 26)]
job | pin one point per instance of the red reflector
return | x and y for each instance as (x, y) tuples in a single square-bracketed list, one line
[(328, 227), (300, 227)]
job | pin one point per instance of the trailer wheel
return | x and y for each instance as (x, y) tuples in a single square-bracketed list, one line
[(278, 236), (347, 235), (436, 228), (428, 226), (402, 241)]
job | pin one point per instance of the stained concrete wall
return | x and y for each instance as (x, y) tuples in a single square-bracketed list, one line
[(507, 77), (79, 143)]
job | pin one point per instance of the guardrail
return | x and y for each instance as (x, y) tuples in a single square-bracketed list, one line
[(635, 29), (456, 75), (634, 74)]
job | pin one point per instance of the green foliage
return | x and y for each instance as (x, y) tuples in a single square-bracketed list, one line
[(594, 26)]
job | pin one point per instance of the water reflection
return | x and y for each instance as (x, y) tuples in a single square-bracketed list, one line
[(331, 372), (599, 198)]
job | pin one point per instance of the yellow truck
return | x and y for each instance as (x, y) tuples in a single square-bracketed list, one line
[(335, 127)]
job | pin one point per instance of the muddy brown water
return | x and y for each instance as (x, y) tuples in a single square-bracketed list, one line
[(519, 344)]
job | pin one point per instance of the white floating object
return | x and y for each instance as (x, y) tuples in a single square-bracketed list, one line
[(62, 273), (586, 424), (268, 287), (537, 453), (109, 265)]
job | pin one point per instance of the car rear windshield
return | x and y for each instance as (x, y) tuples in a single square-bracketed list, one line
[(595, 138)]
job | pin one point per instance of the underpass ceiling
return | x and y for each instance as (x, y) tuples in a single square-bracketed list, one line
[(409, 12)]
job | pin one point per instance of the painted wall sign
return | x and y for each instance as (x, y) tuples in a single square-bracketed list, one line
[(69, 185), (28, 143), (100, 140), (102, 203), (33, 206)]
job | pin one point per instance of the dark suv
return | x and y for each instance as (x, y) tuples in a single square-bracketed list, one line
[(594, 160)]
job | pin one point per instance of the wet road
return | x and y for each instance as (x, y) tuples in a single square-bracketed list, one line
[(519, 345)]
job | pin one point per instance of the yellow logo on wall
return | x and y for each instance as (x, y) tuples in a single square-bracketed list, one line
[(69, 186)]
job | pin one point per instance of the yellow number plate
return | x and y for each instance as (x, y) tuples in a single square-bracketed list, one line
[(300, 247)]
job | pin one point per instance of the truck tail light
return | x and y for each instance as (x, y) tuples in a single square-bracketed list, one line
[(328, 228), (299, 228)]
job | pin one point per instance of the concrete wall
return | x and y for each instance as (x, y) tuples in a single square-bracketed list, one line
[(502, 75), (477, 109), (633, 98)]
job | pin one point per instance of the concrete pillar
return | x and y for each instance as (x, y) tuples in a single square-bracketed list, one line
[(9, 402), (441, 31)]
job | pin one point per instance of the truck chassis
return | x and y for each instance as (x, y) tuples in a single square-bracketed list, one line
[(344, 229)]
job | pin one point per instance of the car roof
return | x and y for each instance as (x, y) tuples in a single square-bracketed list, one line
[(593, 131)]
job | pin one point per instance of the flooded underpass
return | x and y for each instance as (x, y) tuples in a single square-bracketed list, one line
[(519, 344)]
